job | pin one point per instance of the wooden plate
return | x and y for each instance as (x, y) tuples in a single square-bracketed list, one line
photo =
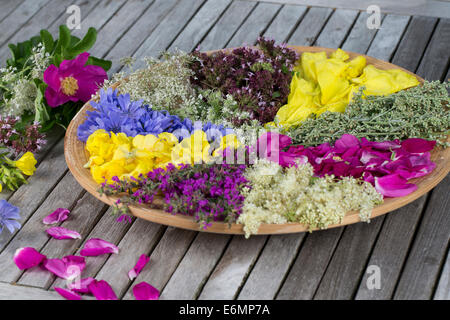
[(76, 157)]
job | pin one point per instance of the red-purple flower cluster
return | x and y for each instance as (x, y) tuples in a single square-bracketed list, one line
[(206, 192), (18, 137), (257, 79)]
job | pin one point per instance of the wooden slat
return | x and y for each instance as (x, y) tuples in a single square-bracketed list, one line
[(17, 18), (139, 31), (14, 292), (167, 29), (8, 6), (443, 287), (337, 27), (303, 282), (227, 25), (285, 22), (194, 31), (32, 234), (360, 36), (83, 217), (310, 27), (428, 251), (268, 273), (255, 24)]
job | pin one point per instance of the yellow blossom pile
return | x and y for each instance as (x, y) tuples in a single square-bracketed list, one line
[(327, 84), (112, 154)]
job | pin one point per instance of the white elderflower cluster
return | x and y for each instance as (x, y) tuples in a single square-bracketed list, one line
[(293, 194), (40, 60)]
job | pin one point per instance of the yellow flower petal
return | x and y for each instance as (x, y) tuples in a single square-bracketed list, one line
[(26, 164)]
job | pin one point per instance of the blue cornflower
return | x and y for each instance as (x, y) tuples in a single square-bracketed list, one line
[(8, 216)]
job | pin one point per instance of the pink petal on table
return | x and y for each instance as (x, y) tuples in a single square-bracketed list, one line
[(346, 141), (144, 291), (69, 295), (417, 145), (81, 286), (63, 233), (69, 267), (140, 264), (95, 247), (26, 258), (393, 185), (56, 216), (383, 145), (102, 290)]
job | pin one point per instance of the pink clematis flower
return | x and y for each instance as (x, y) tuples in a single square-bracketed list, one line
[(95, 247), (69, 267), (140, 264), (145, 291), (56, 216), (102, 290), (72, 81), (61, 233), (26, 258)]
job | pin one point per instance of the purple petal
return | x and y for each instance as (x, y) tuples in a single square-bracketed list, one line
[(63, 233), (144, 291), (56, 216), (346, 141), (383, 145), (417, 145), (102, 290), (81, 286), (95, 247), (69, 295), (393, 185), (26, 258), (69, 267), (140, 264)]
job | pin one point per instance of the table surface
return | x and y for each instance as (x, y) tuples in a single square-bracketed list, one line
[(408, 248)]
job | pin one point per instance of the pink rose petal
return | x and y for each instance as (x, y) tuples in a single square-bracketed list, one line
[(26, 258), (140, 264), (102, 290), (144, 291), (63, 233), (81, 286), (95, 247), (393, 185), (69, 267), (417, 145), (56, 216), (69, 295)]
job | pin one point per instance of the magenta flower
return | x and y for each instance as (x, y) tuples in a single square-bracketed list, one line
[(72, 81)]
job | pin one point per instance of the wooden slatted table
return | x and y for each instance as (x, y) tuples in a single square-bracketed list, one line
[(410, 245)]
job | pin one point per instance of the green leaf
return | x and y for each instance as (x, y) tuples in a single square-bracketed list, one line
[(64, 39), (105, 64), (84, 44), (41, 109), (47, 40)]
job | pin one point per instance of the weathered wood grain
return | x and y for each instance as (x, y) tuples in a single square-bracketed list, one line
[(285, 22), (443, 287), (8, 6), (138, 32), (18, 17), (337, 27), (310, 27), (233, 268), (163, 35), (427, 254), (268, 273), (203, 20), (227, 25), (32, 233), (254, 25), (16, 292), (360, 36), (195, 267), (83, 217)]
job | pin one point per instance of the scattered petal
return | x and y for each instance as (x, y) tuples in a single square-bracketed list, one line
[(68, 294), (145, 291), (26, 258), (140, 264), (63, 233), (95, 247), (56, 216), (81, 286), (102, 290), (393, 185), (69, 267)]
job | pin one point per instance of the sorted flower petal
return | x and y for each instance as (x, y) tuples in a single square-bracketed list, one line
[(63, 233), (69, 267), (95, 247), (102, 290), (26, 258), (56, 216), (68, 294), (140, 264), (417, 145), (145, 291), (394, 185)]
